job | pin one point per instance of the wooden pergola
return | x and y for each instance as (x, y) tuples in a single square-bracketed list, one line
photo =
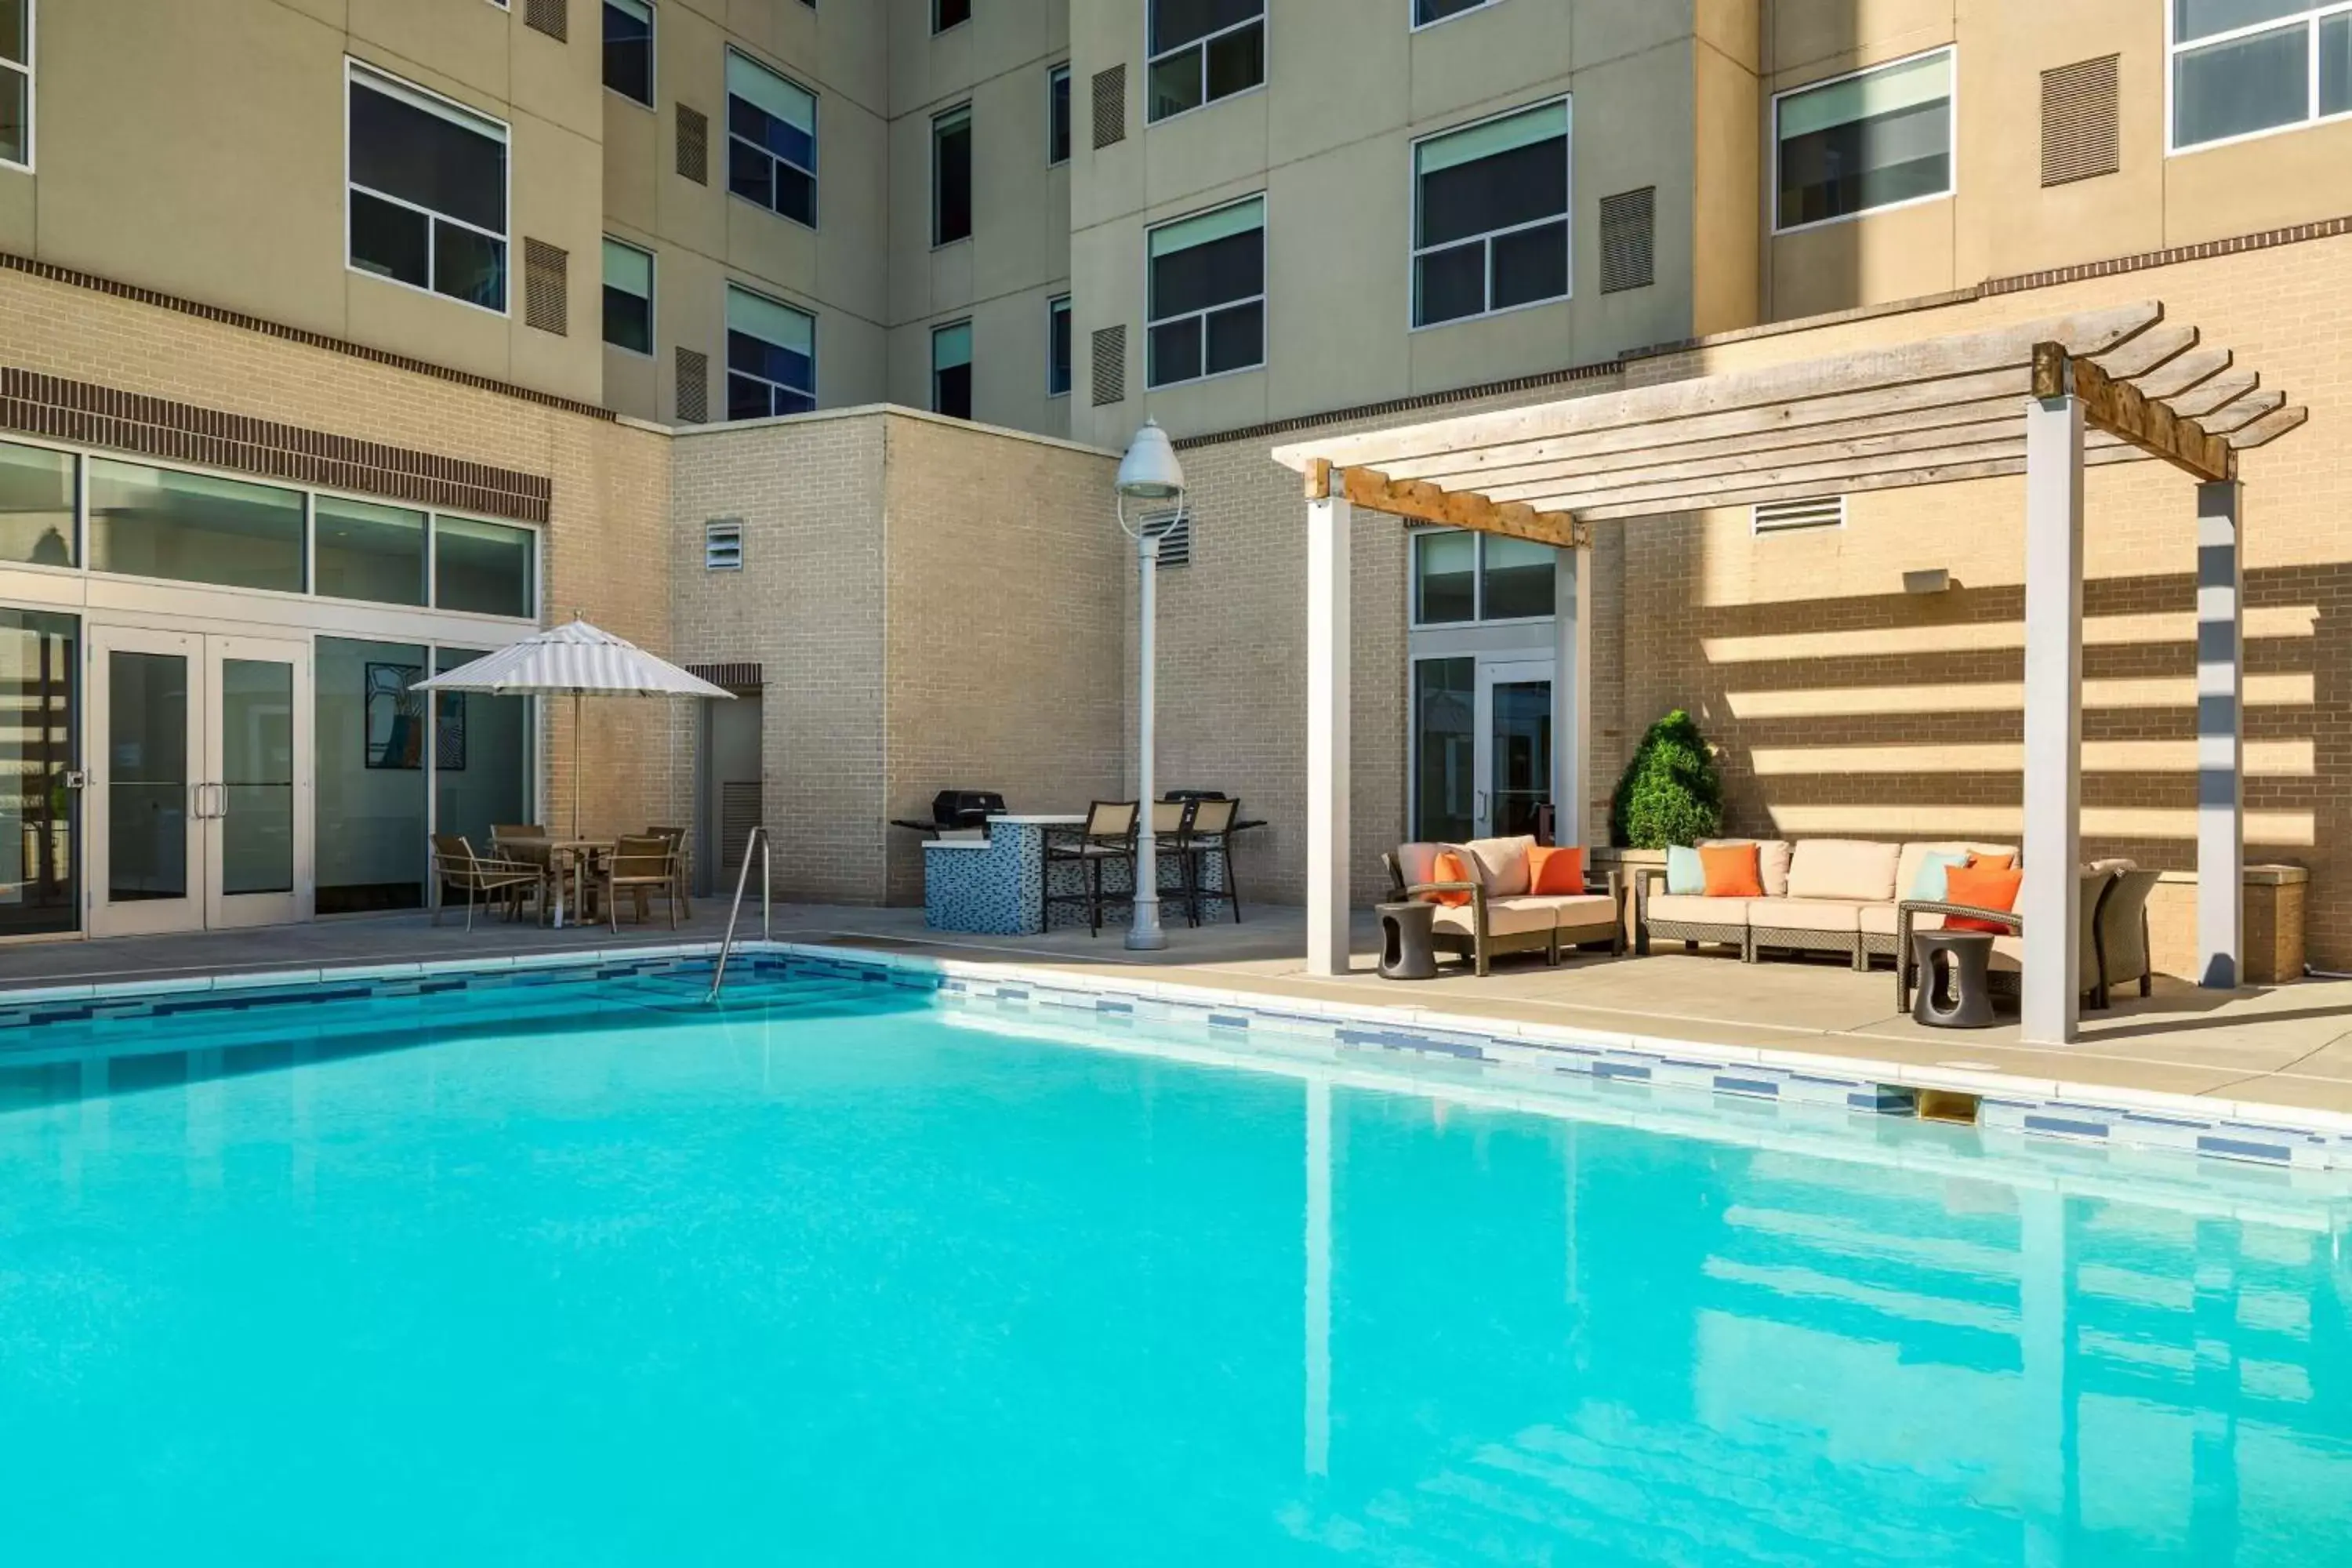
[(2042, 399)]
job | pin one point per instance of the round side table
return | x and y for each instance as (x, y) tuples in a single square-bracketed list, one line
[(1955, 984), (1405, 953)]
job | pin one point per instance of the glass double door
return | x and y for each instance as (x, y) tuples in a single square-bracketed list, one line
[(199, 794), (1482, 746)]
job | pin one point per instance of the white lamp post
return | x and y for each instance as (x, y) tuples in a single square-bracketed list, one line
[(1151, 480)]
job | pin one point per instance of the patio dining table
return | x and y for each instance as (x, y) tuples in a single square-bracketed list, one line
[(566, 860)]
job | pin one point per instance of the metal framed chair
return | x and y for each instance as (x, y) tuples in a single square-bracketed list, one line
[(1107, 838), (681, 839), (1210, 832), (455, 866), (642, 866)]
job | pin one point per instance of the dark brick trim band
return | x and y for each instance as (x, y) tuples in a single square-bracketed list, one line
[(2018, 282), (162, 301), (88, 414)]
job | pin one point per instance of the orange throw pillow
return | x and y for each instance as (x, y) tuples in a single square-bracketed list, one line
[(1450, 868), (1992, 862), (1982, 888), (1556, 869), (1730, 871)]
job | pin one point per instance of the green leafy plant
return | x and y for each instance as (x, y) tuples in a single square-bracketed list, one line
[(1670, 793)]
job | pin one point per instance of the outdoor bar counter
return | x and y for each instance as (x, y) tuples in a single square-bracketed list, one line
[(997, 885)]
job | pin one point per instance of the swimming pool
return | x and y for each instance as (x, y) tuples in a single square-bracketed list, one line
[(571, 1270)]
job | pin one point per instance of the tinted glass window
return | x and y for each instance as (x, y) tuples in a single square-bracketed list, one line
[(194, 528), (485, 568), (1867, 141), (629, 48), (951, 177)]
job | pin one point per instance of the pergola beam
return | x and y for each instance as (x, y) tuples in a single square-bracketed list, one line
[(2269, 427), (2122, 409), (1420, 502), (1750, 489)]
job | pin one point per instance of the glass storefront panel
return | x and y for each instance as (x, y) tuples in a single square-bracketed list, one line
[(481, 757), (365, 551), (1445, 577), (37, 505), (1518, 578), (194, 528), (482, 568), (257, 748), (147, 776), (1446, 749), (370, 783), (40, 860)]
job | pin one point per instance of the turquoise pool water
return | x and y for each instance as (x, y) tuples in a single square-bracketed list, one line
[(852, 1275)]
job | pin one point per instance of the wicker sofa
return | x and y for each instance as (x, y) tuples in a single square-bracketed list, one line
[(1820, 895), (1502, 916)]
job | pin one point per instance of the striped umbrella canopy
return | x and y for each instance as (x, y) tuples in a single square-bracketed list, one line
[(575, 660)]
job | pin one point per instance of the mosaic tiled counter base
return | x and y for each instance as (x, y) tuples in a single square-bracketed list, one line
[(997, 886)]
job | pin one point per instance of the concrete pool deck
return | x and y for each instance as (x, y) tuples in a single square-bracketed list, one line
[(2287, 1046)]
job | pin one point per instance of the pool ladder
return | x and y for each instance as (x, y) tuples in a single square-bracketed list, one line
[(759, 841)]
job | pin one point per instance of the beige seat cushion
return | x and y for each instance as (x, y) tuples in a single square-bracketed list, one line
[(1690, 908), (1503, 864), (1572, 910), (1854, 871), (1417, 863), (1505, 917), (1878, 920), (1771, 862), (1906, 865), (1836, 915)]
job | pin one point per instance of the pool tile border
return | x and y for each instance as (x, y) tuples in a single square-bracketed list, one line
[(2241, 1133)]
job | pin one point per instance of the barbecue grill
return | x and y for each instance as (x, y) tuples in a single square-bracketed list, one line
[(954, 810)]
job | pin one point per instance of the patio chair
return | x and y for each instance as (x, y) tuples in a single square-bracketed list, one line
[(1169, 820), (455, 867), (2121, 932), (642, 866), (501, 830), (1107, 838), (1501, 915), (680, 838), (2008, 946), (1210, 832)]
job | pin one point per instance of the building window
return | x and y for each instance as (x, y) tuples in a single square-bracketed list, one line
[(16, 82), (484, 568), (722, 544), (1490, 215), (2244, 66), (1207, 294), (1877, 139), (1202, 50), (952, 370), (1057, 115), (946, 13), (1057, 347), (1459, 576), (771, 357), (951, 176), (771, 140), (629, 49), (628, 297), (1425, 12), (428, 192)]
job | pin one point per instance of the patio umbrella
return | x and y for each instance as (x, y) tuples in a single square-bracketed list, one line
[(573, 660)]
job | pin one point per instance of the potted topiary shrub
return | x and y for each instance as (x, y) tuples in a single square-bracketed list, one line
[(1670, 793)]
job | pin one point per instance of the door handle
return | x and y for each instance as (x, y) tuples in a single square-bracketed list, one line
[(220, 801)]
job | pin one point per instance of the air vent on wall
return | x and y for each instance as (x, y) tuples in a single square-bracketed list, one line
[(552, 17), (546, 287), (1785, 516), (694, 144), (1109, 380), (693, 387), (722, 544), (1110, 107), (2080, 139), (1174, 531), (1628, 239)]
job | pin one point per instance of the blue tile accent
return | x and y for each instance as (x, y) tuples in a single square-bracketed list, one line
[(1229, 1020), (2066, 1127), (1885, 1100), (2240, 1149), (1626, 1070), (1758, 1086)]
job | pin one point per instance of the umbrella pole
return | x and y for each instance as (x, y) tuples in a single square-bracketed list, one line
[(575, 765)]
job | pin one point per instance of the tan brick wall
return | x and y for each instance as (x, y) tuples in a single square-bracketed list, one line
[(610, 481)]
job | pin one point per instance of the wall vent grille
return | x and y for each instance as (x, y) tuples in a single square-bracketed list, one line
[(722, 544), (546, 287), (1110, 107), (1174, 531), (693, 387), (1786, 516), (1629, 223), (552, 17), (2080, 137), (1109, 380), (694, 144)]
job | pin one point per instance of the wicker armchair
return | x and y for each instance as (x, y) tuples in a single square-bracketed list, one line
[(2098, 881)]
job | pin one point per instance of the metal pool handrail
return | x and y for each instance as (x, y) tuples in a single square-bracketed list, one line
[(758, 840)]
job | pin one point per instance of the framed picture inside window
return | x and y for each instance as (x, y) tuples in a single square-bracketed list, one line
[(394, 716)]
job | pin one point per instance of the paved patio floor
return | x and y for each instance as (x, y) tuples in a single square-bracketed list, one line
[(2289, 1045)]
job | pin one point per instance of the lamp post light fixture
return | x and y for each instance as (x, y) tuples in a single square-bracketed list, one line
[(1152, 486)]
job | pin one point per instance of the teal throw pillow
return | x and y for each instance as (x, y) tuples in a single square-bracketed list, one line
[(1685, 872), (1928, 885)]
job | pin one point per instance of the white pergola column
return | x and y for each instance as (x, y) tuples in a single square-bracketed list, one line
[(1328, 526), (2052, 894), (2220, 735), (1571, 695)]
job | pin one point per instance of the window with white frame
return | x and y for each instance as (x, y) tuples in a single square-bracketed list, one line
[(1207, 294), (629, 49), (628, 297), (771, 140), (771, 357), (1057, 346), (428, 196), (16, 82), (952, 175), (1425, 12), (1490, 215), (1057, 115), (1459, 576), (2244, 66), (946, 13), (1877, 139), (1202, 50), (952, 370)]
